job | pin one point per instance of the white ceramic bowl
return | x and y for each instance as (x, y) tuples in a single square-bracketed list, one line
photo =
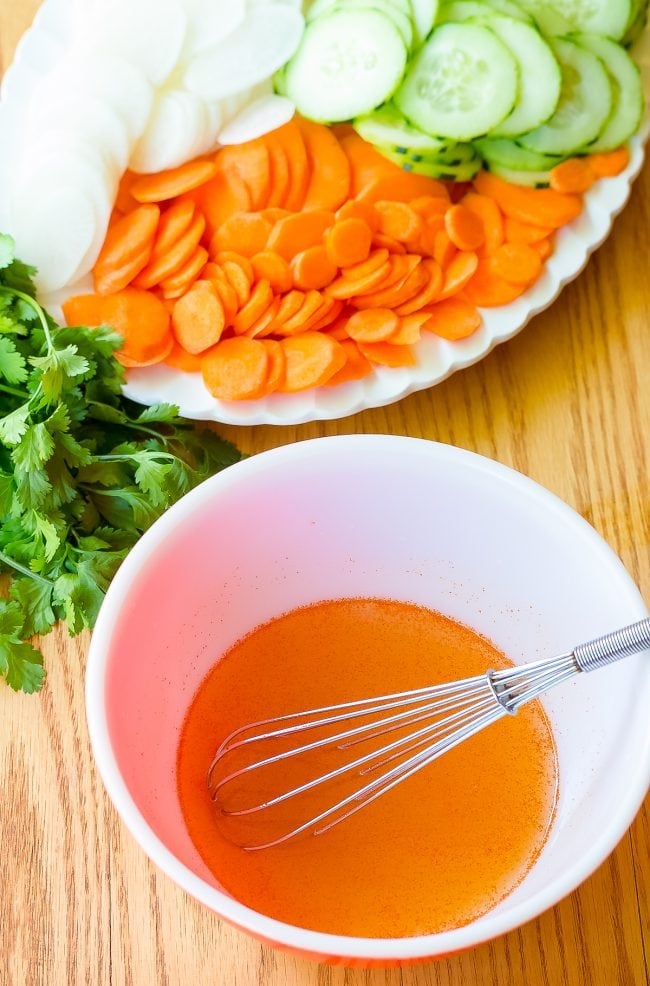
[(369, 516)]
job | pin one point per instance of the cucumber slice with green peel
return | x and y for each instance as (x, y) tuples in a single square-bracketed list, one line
[(464, 171), (584, 107), (387, 126), (540, 78), (561, 17), (509, 154), (423, 15), (398, 14), (461, 84), (627, 91), (531, 179), (453, 156), (348, 63), (457, 11)]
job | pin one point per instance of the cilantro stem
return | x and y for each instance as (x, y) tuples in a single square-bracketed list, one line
[(12, 563), (14, 392), (37, 308)]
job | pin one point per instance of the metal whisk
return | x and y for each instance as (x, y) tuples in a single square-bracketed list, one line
[(444, 716)]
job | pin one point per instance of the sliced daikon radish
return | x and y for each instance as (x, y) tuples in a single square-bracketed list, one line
[(210, 22), (259, 117), (213, 124), (148, 34), (266, 39), (177, 125)]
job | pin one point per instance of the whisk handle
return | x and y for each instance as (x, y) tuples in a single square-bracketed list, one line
[(612, 647)]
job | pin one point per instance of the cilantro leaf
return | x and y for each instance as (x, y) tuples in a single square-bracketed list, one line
[(20, 664), (12, 364), (35, 599), (7, 248)]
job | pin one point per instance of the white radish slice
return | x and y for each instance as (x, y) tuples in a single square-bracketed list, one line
[(213, 124), (75, 113), (210, 22), (149, 34), (177, 125), (267, 39), (259, 117)]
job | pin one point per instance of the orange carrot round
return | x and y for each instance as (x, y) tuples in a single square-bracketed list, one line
[(172, 183), (237, 258), (260, 299), (299, 321), (409, 329), (386, 354), (348, 242), (356, 365), (517, 232), (464, 227), (267, 323), (380, 242), (610, 164), (298, 231), (126, 249), (399, 221), (277, 365), (182, 280), (573, 176), (274, 268), (353, 209), (444, 250), (491, 218), (180, 359), (236, 277), (453, 319), (537, 206), (346, 286), (290, 304), (487, 290), (372, 325), (162, 266), (312, 358), (517, 263), (245, 232), (458, 272), (139, 317), (236, 369), (430, 291), (313, 268), (198, 319)]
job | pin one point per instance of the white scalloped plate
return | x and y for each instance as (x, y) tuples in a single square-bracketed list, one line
[(437, 358)]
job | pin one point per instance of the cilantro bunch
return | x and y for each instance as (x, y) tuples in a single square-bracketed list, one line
[(83, 471)]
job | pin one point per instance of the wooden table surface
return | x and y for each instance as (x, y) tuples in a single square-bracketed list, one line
[(568, 403)]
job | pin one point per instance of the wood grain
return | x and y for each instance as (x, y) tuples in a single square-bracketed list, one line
[(568, 403)]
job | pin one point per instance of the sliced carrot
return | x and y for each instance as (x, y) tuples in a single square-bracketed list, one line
[(290, 139), (610, 164), (380, 242), (372, 325), (244, 232), (162, 266), (266, 324), (173, 182), (544, 248), (428, 294), (174, 222), (236, 369), (444, 250), (401, 187), (276, 367), (274, 214), (464, 227), (124, 201), (236, 277), (260, 299), (198, 319), (356, 365), (486, 290), (182, 360), (458, 272), (517, 263), (126, 250), (517, 232), (399, 221), (430, 206), (313, 268), (346, 286), (352, 209), (280, 174), (220, 198), (139, 317), (225, 292), (274, 268), (250, 163), (366, 164), (348, 242), (426, 246), (152, 358), (400, 268), (376, 259), (185, 276), (573, 176), (312, 358), (453, 319), (298, 322), (386, 354), (396, 294), (338, 329), (409, 329), (237, 258), (538, 206), (491, 217), (299, 231), (329, 168), (327, 316)]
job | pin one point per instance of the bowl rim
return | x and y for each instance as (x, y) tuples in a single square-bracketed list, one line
[(315, 943)]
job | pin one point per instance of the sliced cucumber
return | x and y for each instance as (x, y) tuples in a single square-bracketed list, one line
[(627, 91), (584, 107), (509, 154), (452, 156), (559, 17), (457, 11), (348, 63), (532, 179), (387, 127), (423, 14), (461, 84), (510, 9), (398, 11), (540, 79), (444, 172)]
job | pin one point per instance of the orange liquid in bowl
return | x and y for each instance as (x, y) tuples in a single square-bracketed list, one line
[(436, 852)]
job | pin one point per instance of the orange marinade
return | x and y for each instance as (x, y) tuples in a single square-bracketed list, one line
[(437, 851)]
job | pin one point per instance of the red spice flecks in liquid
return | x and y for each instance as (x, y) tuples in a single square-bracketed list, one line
[(437, 851)]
